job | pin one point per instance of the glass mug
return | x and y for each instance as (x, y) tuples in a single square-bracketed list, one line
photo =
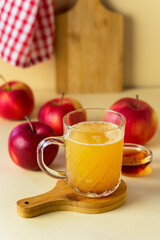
[(93, 142)]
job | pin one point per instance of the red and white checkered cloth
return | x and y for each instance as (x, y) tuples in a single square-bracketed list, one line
[(26, 31)]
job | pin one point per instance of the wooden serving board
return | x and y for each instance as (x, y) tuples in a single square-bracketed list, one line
[(63, 198), (89, 49)]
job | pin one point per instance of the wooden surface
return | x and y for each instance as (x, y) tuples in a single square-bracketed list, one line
[(63, 198), (89, 49)]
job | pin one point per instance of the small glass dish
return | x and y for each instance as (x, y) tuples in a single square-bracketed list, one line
[(135, 158)]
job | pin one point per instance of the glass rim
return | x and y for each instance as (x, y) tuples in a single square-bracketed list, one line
[(104, 109), (138, 147)]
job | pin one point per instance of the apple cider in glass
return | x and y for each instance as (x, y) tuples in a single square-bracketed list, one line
[(93, 142), (94, 157)]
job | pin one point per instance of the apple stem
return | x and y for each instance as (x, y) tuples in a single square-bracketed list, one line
[(31, 125), (63, 93), (137, 101), (5, 81)]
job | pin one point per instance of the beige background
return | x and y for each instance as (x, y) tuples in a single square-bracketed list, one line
[(141, 49), (141, 40)]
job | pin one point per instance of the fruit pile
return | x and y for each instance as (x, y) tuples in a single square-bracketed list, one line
[(17, 102)]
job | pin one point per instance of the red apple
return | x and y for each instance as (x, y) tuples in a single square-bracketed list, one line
[(53, 111), (75, 117), (23, 142), (141, 119), (16, 100)]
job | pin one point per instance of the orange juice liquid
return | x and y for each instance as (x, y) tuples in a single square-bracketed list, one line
[(94, 157)]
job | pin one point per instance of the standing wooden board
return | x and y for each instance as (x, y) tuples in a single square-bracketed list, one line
[(89, 49)]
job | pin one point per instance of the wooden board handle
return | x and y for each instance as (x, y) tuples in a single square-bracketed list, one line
[(63, 198)]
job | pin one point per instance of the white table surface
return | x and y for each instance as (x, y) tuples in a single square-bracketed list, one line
[(138, 218)]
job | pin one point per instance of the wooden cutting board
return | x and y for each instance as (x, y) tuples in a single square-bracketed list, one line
[(89, 49), (63, 198)]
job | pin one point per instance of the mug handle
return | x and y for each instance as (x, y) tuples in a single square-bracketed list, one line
[(40, 156)]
